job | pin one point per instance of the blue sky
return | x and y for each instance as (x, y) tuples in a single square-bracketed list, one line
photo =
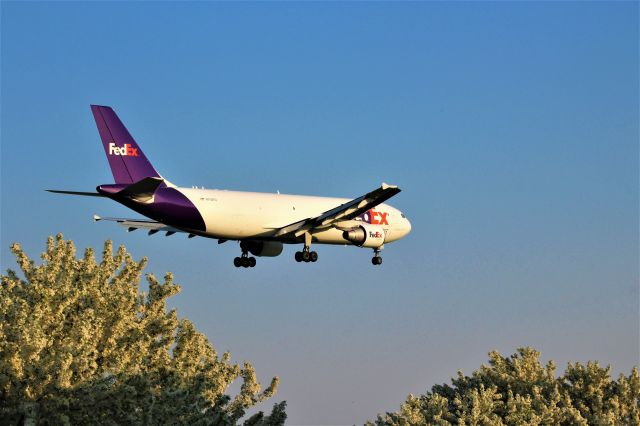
[(512, 129)]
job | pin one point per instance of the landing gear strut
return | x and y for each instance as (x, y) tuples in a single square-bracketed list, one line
[(376, 259), (244, 260), (306, 255)]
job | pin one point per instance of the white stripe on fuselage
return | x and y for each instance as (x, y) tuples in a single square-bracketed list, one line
[(237, 215)]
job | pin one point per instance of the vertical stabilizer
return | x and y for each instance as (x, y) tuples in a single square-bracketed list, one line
[(127, 161)]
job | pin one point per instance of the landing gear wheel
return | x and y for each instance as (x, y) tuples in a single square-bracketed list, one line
[(306, 256), (313, 256), (298, 256), (244, 260), (376, 259)]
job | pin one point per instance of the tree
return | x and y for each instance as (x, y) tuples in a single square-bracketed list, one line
[(80, 343), (521, 391)]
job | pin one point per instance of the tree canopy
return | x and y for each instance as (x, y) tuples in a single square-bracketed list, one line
[(519, 390), (81, 343)]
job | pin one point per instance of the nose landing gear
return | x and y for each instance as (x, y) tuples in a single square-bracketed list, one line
[(376, 259)]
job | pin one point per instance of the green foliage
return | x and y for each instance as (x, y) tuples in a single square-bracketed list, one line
[(519, 390), (80, 343)]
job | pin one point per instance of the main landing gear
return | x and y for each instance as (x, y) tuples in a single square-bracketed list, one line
[(244, 261), (376, 259), (305, 255)]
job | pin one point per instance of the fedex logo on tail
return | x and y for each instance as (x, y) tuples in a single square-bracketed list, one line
[(127, 150), (375, 218)]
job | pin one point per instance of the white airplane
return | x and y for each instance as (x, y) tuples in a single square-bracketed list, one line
[(261, 222)]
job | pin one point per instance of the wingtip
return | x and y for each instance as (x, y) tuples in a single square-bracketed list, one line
[(387, 186)]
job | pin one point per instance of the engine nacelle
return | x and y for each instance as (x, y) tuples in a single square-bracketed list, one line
[(365, 235), (262, 248)]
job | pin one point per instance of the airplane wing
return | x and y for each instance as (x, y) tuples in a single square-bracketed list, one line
[(343, 212), (150, 225)]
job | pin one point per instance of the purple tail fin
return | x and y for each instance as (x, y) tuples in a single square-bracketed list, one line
[(127, 161)]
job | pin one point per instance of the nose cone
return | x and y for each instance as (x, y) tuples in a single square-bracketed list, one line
[(400, 230), (406, 228)]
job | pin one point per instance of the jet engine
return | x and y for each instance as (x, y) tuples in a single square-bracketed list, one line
[(262, 248), (365, 235)]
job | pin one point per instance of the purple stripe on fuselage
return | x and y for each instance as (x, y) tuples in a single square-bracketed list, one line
[(174, 208), (169, 206)]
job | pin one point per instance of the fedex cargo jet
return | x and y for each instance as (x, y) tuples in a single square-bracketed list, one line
[(260, 222)]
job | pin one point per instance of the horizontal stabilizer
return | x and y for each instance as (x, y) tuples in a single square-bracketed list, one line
[(86, 194), (132, 224)]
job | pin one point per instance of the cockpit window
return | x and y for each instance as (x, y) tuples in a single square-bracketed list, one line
[(403, 216)]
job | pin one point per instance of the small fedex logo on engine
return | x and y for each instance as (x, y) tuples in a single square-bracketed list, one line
[(375, 218), (127, 150), (376, 234)]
